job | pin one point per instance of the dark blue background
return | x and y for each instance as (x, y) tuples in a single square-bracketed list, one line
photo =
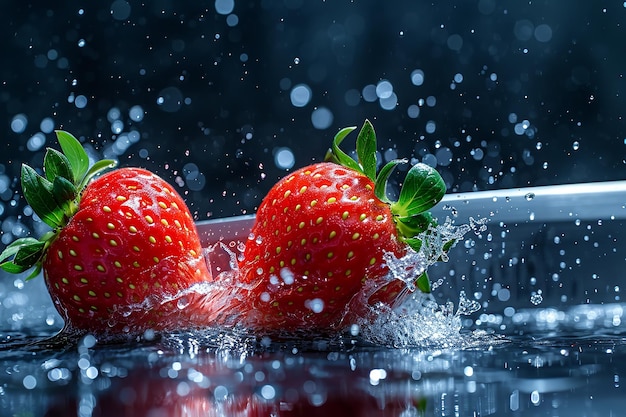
[(552, 70)]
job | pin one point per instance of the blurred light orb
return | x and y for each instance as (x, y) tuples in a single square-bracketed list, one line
[(300, 95), (284, 158), (224, 7), (19, 123), (322, 118)]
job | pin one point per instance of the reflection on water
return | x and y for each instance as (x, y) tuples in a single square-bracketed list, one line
[(530, 372)]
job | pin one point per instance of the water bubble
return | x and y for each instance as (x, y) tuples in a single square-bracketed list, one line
[(300, 95), (575, 145), (536, 298), (529, 196), (81, 43), (296, 60)]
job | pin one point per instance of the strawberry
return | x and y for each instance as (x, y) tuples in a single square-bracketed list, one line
[(122, 249), (316, 254)]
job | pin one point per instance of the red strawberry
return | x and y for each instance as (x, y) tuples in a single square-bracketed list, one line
[(121, 250), (316, 251)]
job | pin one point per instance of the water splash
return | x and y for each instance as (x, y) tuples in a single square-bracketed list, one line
[(434, 240), (421, 322), (416, 321)]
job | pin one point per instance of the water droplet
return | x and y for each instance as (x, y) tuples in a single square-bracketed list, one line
[(536, 298), (287, 276), (182, 303), (29, 382), (529, 196), (466, 305), (316, 305)]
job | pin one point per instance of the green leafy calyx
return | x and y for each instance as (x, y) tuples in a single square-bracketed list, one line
[(421, 190), (54, 197)]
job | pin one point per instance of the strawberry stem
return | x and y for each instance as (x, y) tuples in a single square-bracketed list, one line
[(54, 197), (422, 189)]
